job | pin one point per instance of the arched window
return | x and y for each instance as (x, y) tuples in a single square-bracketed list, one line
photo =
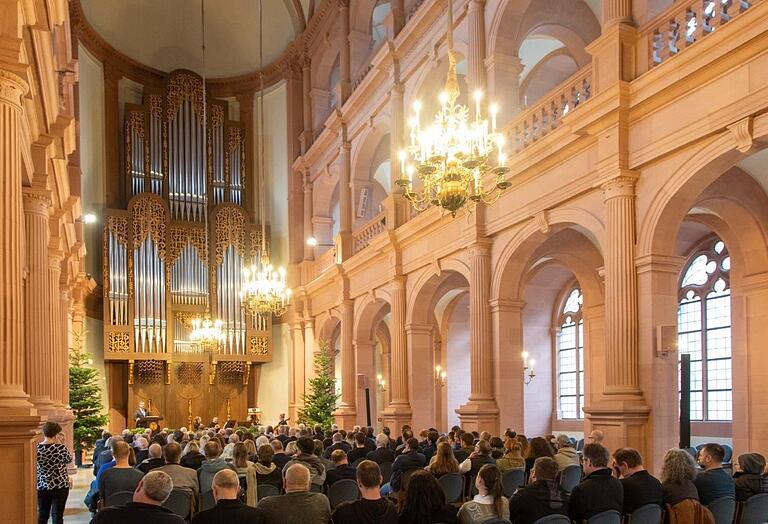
[(570, 357), (378, 27), (704, 329)]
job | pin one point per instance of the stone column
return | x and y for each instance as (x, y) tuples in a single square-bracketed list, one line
[(507, 316), (476, 58), (309, 347), (306, 94), (617, 12), (504, 84), (298, 366), (480, 412), (364, 365), (398, 411), (18, 418), (419, 372), (345, 198), (621, 287), (395, 204), (309, 251), (54, 313), (345, 66), (346, 412), (398, 16), (39, 365)]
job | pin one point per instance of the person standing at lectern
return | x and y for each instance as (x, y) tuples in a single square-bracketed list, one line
[(140, 414)]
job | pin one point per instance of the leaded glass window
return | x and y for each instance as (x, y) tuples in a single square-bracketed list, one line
[(570, 357)]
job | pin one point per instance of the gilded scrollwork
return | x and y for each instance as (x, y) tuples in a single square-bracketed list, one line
[(230, 230), (259, 346), (149, 217), (217, 116), (178, 239), (118, 342), (182, 87)]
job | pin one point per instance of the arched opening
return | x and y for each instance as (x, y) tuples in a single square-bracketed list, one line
[(378, 23), (372, 358)]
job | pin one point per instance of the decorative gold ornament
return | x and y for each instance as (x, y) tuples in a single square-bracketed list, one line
[(118, 342)]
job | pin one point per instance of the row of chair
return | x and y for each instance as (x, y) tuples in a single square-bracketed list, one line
[(179, 501), (753, 511)]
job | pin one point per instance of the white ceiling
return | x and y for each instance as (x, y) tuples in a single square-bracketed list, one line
[(166, 34)]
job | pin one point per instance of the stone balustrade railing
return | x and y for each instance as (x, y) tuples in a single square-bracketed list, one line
[(362, 76), (681, 26), (324, 261), (545, 115), (368, 232)]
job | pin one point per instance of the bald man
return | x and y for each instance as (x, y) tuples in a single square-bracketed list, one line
[(146, 506), (298, 504), (155, 459), (228, 508)]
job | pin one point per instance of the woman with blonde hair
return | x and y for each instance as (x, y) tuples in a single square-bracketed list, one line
[(291, 449), (444, 462), (677, 473), (250, 446), (512, 458)]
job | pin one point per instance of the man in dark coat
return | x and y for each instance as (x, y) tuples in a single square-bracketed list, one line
[(542, 496), (146, 506), (599, 491), (228, 508), (409, 459)]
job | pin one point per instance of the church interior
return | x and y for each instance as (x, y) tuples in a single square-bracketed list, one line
[(492, 214)]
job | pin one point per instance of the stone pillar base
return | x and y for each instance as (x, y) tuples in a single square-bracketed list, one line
[(17, 455), (395, 417), (346, 418), (479, 415), (623, 424)]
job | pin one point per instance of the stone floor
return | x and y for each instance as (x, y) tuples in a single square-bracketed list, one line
[(76, 512)]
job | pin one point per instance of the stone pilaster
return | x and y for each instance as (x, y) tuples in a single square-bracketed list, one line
[(398, 412), (18, 418), (476, 58), (309, 251), (306, 96), (345, 56), (39, 355), (346, 412), (480, 412), (504, 84), (507, 317), (298, 367), (309, 346), (54, 314), (345, 198), (617, 12)]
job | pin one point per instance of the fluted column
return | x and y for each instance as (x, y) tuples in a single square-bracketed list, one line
[(62, 357), (396, 142), (309, 346), (476, 58), (54, 331), (346, 412), (481, 411), (39, 355), (621, 286), (13, 399), (617, 12), (345, 199), (345, 66), (306, 96), (398, 412), (298, 366), (309, 251)]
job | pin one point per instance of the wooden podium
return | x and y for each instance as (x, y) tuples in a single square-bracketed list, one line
[(151, 422)]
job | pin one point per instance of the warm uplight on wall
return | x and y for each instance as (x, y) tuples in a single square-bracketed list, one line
[(89, 218), (313, 242), (528, 371), (440, 375), (381, 383)]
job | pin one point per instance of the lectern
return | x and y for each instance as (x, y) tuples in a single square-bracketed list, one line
[(151, 422)]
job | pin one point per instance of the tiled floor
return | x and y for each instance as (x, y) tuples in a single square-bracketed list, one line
[(76, 512)]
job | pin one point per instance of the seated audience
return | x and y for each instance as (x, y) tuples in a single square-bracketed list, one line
[(341, 469), (566, 453), (751, 480), (240, 459), (409, 459), (229, 508), (140, 449), (424, 502), (360, 450), (401, 440), (429, 446), (596, 436), (538, 447), (383, 452), (192, 458), (489, 503), (298, 504), (714, 482), (212, 464), (328, 463), (444, 461), (542, 496), (338, 443), (479, 458), (280, 458), (52, 479), (599, 491), (677, 473), (467, 447), (155, 459), (291, 449), (512, 457), (370, 508), (183, 478), (105, 456), (306, 456), (267, 471), (640, 487), (524, 444), (497, 447), (120, 477), (145, 507), (101, 443)]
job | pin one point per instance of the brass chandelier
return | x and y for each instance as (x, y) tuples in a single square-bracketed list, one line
[(453, 155), (264, 291), (206, 333)]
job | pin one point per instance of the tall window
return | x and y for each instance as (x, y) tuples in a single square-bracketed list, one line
[(570, 357), (704, 330)]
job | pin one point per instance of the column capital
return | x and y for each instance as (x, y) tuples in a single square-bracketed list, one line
[(12, 88), (659, 263), (621, 185), (480, 247), (398, 282), (37, 201), (506, 305)]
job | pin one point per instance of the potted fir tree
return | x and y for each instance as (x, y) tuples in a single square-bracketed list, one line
[(320, 402), (85, 400)]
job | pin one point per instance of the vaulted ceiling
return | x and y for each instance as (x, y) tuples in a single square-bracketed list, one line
[(167, 34)]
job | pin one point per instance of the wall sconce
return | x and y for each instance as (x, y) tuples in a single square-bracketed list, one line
[(440, 375), (381, 383), (314, 242), (528, 371)]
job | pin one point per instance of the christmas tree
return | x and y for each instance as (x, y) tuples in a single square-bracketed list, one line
[(321, 401), (85, 400)]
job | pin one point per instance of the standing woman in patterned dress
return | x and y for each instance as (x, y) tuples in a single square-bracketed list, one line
[(52, 479)]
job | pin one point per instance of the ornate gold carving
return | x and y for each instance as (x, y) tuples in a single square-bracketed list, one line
[(118, 342), (246, 374), (185, 317), (230, 229), (178, 239), (135, 123), (212, 374), (182, 87), (217, 116), (167, 373), (189, 373), (130, 372), (12, 87), (234, 138), (118, 225), (259, 345), (155, 105), (149, 217), (149, 371)]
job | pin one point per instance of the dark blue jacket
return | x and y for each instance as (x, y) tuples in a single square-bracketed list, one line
[(405, 462), (598, 492), (714, 484)]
